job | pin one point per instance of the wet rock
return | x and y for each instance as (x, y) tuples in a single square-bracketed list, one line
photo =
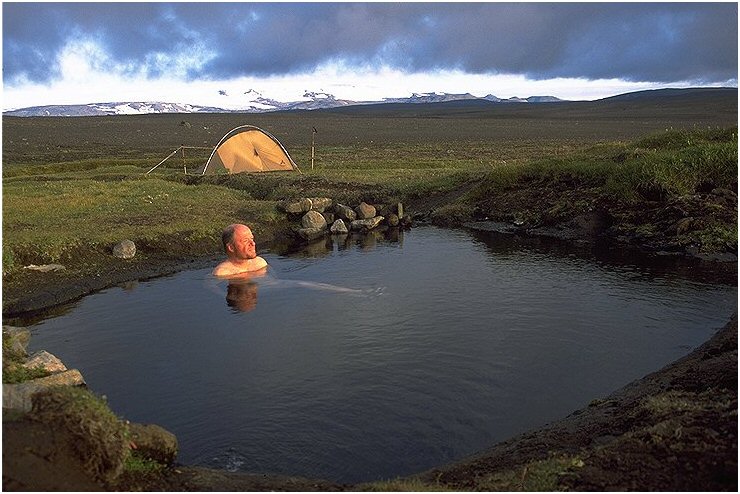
[(311, 233), (16, 340), (154, 442), (367, 224), (125, 249), (313, 219), (321, 204), (365, 211), (46, 361), (339, 227), (19, 396), (345, 213), (392, 219), (406, 220)]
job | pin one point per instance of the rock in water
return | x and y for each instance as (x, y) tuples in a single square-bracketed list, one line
[(367, 224), (339, 227)]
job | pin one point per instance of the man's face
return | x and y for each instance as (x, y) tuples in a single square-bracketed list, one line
[(242, 246)]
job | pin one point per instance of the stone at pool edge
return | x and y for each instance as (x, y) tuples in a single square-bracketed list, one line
[(126, 249), (19, 396)]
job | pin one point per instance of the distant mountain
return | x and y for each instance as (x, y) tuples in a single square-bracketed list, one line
[(251, 101)]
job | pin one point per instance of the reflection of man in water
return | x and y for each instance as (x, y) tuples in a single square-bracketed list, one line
[(242, 295), (241, 252)]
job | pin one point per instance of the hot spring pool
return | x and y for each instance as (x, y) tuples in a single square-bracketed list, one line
[(378, 357)]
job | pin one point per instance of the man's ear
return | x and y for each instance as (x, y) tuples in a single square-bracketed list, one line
[(229, 247)]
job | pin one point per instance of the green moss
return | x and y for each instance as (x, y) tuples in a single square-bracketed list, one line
[(16, 374)]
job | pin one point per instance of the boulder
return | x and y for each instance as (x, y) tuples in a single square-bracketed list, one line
[(345, 213), (313, 219), (339, 227), (16, 340), (311, 233), (125, 249), (321, 204), (392, 219), (46, 361), (18, 396), (365, 211), (154, 442), (367, 224), (295, 206)]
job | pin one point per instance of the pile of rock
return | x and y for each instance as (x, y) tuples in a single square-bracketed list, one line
[(18, 396), (321, 216)]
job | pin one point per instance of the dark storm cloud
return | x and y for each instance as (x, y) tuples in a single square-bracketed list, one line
[(640, 42)]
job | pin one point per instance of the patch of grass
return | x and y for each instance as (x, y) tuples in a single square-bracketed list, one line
[(17, 374), (100, 443), (138, 465), (402, 485), (544, 475), (718, 238)]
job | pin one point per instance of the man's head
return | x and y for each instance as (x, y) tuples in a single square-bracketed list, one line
[(238, 242)]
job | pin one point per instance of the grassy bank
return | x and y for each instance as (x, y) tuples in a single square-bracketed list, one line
[(71, 212)]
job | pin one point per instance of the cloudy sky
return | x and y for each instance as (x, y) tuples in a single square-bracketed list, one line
[(213, 53)]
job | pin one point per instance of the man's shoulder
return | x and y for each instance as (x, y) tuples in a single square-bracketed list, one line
[(224, 269), (258, 263)]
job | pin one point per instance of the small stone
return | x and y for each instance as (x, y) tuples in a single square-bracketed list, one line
[(295, 206), (392, 219), (365, 211), (339, 227), (321, 204), (345, 213), (313, 219), (17, 339), (399, 210), (125, 249), (367, 224)]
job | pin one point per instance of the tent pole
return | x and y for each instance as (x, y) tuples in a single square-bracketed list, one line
[(312, 147), (168, 157)]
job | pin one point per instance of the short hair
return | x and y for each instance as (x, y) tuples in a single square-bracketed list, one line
[(227, 236)]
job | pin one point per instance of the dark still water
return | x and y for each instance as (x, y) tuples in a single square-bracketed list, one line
[(383, 357)]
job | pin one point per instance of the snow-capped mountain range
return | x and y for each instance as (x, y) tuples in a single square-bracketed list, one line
[(250, 101)]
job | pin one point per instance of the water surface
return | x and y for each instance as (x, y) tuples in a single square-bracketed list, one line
[(375, 357)]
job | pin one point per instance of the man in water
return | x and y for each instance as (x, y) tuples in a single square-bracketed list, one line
[(241, 253)]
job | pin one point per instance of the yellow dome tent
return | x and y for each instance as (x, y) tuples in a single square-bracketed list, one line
[(248, 149)]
